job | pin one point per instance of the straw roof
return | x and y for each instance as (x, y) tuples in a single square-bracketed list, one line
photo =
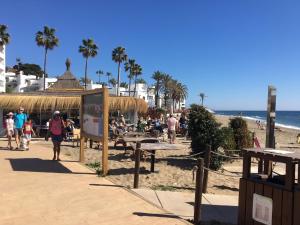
[(64, 101)]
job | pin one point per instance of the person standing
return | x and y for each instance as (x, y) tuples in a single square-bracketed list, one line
[(172, 125), (56, 127), (28, 131), (9, 126), (19, 119)]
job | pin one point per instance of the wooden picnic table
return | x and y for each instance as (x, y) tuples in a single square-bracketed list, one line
[(153, 147), (138, 139)]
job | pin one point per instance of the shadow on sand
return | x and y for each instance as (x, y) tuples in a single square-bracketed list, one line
[(39, 165)]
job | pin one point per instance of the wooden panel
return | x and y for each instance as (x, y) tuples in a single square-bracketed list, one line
[(268, 191), (259, 189), (277, 206), (105, 131), (246, 166), (249, 203), (296, 207), (242, 201), (287, 208)]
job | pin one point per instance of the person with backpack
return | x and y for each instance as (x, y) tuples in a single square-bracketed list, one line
[(57, 129)]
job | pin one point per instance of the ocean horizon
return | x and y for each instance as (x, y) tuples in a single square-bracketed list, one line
[(286, 119)]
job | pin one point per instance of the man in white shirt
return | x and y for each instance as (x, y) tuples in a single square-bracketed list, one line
[(172, 125)]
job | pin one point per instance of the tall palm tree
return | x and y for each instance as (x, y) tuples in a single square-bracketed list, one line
[(119, 56), (157, 76), (99, 73), (166, 82), (88, 49), (48, 41), (137, 71), (108, 74), (178, 92), (141, 81), (124, 85), (4, 35), (202, 96), (129, 68)]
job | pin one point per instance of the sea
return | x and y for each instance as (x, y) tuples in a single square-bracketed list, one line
[(287, 119)]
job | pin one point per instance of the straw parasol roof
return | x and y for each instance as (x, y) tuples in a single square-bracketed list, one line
[(64, 101)]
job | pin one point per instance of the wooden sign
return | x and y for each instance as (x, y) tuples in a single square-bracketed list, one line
[(94, 122)]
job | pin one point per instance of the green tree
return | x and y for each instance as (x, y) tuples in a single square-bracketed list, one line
[(124, 85), (109, 75), (166, 82), (48, 41), (119, 56), (87, 49), (178, 92), (4, 35), (129, 68), (99, 73), (29, 69), (113, 82), (241, 133), (202, 96), (157, 76), (137, 71), (140, 81)]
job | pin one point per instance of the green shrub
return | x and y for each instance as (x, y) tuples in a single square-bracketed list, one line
[(204, 130), (241, 133), (228, 141)]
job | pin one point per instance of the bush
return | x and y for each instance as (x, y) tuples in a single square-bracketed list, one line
[(204, 130), (241, 133), (228, 141)]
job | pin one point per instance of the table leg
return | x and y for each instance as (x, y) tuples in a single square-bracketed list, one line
[(152, 160)]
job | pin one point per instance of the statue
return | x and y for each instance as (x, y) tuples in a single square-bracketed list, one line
[(68, 64)]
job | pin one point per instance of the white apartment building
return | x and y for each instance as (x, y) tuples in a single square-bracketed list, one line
[(2, 68)]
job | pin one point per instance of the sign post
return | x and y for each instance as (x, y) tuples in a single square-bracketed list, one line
[(94, 122)]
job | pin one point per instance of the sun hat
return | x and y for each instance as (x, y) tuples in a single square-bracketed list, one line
[(56, 113)]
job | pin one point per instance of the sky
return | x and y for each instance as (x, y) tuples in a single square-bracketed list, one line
[(231, 50)]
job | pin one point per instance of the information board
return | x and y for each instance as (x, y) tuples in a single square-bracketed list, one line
[(92, 114), (262, 209)]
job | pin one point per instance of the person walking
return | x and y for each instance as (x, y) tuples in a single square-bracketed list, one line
[(56, 127), (172, 125), (19, 119), (9, 126), (28, 131)]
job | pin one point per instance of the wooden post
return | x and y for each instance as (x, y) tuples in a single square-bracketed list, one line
[(137, 165), (206, 164), (198, 192), (81, 155), (271, 115), (105, 131), (270, 129), (152, 161)]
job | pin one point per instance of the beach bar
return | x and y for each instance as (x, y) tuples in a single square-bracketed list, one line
[(269, 197)]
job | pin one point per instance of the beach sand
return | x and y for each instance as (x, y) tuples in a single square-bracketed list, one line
[(175, 173)]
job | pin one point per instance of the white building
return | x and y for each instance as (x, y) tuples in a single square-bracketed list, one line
[(2, 68)]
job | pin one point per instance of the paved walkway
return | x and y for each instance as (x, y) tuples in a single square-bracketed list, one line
[(37, 191), (222, 208)]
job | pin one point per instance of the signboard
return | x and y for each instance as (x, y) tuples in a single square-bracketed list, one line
[(92, 114), (94, 122), (262, 209)]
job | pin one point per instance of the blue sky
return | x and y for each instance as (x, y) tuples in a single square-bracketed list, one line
[(231, 50)]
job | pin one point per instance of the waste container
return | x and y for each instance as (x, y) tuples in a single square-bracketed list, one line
[(268, 197)]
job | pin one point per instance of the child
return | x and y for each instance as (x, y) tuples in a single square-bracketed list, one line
[(28, 131), (9, 125)]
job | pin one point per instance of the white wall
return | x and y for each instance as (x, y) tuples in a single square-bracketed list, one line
[(2, 68)]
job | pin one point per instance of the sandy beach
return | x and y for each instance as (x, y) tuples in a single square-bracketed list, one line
[(175, 173)]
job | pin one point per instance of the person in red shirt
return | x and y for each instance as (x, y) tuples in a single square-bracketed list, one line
[(28, 131), (56, 127)]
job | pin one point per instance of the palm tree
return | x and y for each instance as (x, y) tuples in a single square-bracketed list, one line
[(137, 71), (129, 68), (48, 40), (113, 82), (4, 35), (140, 81), (119, 56), (178, 92), (108, 74), (124, 85), (202, 96), (166, 82), (157, 76), (99, 73), (88, 49)]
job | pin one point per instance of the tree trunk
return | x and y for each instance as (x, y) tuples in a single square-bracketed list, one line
[(134, 85), (45, 61), (129, 90), (85, 73), (119, 80), (99, 78), (156, 95)]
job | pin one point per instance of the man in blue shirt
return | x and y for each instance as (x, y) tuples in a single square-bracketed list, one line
[(19, 118)]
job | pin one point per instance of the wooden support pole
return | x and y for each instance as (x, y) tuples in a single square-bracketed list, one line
[(206, 164), (137, 165), (198, 191), (271, 115), (82, 144), (105, 131)]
